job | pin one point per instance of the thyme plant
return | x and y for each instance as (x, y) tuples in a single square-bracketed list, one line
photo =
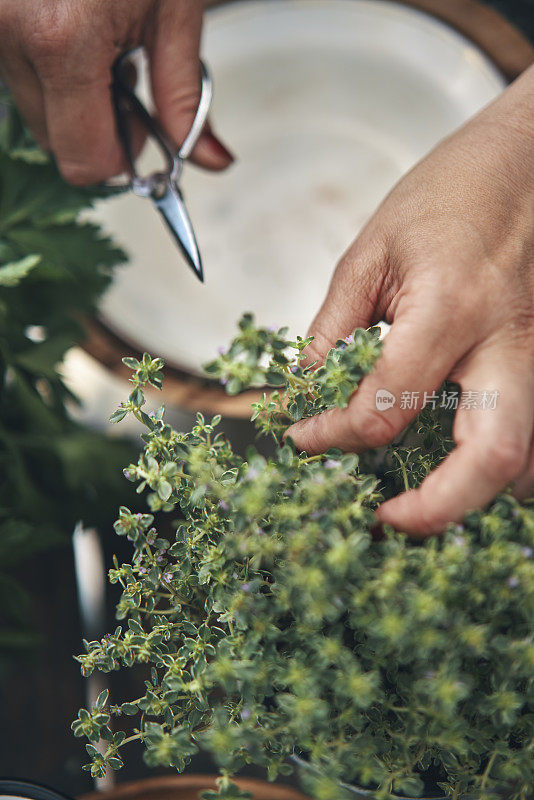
[(269, 623)]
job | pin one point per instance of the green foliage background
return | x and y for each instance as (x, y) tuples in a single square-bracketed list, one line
[(53, 269)]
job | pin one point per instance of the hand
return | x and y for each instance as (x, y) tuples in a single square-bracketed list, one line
[(56, 56), (448, 259)]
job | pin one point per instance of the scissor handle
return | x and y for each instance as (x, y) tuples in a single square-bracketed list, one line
[(206, 93), (125, 98)]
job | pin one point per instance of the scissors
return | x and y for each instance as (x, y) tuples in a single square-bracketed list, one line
[(162, 187)]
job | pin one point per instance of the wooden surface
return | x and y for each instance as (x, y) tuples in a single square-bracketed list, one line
[(509, 50), (188, 787), (505, 45)]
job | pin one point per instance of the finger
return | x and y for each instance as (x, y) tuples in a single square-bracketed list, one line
[(27, 94), (523, 486), (81, 127), (173, 49), (394, 393), (75, 73), (492, 446), (353, 296)]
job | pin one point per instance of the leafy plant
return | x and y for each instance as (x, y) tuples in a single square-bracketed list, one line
[(53, 268), (273, 624)]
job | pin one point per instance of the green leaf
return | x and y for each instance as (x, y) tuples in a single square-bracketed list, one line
[(274, 378), (102, 699), (131, 362), (12, 274), (137, 397)]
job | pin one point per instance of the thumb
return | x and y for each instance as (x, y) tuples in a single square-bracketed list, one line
[(175, 73), (419, 337), (352, 298)]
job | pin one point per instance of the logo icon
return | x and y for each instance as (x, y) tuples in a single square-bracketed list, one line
[(384, 399)]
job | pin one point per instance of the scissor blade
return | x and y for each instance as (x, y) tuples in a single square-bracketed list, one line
[(171, 207)]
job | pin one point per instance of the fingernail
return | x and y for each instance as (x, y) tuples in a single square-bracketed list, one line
[(217, 147)]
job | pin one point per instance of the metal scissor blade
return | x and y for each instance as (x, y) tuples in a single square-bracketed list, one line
[(171, 207)]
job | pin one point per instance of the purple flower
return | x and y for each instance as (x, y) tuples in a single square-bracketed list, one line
[(245, 713), (222, 351), (349, 339), (245, 587), (159, 559), (272, 328), (513, 582), (294, 369), (167, 577), (142, 570), (316, 514), (331, 463), (252, 473), (527, 552), (261, 532), (459, 541), (224, 505), (127, 474), (224, 381)]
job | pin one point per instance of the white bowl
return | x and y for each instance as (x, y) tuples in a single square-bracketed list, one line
[(326, 104)]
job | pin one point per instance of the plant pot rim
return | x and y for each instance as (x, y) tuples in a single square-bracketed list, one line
[(147, 788)]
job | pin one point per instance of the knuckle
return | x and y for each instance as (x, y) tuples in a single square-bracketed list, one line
[(80, 174), (316, 350), (428, 521), (504, 458), (92, 169), (185, 97), (52, 35), (309, 439), (373, 428), (182, 104), (320, 345)]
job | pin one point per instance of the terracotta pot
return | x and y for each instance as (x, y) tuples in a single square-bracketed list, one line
[(188, 787)]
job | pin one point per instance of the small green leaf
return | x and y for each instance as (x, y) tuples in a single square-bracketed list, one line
[(12, 274), (131, 362)]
